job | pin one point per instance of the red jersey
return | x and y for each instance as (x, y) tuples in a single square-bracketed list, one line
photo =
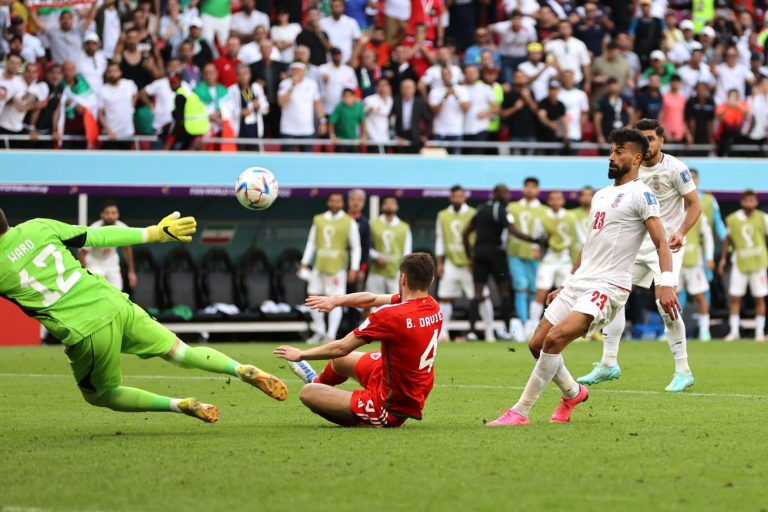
[(429, 12), (408, 334)]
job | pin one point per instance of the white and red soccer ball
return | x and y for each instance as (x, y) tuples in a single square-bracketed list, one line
[(256, 188)]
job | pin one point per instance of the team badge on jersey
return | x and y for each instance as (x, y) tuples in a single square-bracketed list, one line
[(617, 200), (650, 198), (685, 176), (656, 185)]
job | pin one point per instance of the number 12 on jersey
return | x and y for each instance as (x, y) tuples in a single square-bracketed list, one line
[(64, 285)]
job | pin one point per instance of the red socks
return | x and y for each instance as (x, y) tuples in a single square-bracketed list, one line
[(329, 377)]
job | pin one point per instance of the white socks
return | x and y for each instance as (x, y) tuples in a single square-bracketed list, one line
[(733, 322), (447, 309), (544, 371), (703, 323), (535, 310), (334, 319), (318, 321), (486, 314), (611, 338), (676, 339), (565, 381), (175, 404), (760, 325)]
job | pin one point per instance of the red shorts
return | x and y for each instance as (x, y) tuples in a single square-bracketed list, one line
[(368, 404)]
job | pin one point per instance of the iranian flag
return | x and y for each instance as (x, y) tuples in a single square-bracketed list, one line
[(217, 234)]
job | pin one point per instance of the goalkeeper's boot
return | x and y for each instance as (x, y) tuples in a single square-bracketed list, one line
[(197, 409), (266, 382), (303, 370), (563, 411), (680, 382), (600, 374), (511, 418)]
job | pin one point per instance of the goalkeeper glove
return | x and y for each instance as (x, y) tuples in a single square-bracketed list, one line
[(173, 228)]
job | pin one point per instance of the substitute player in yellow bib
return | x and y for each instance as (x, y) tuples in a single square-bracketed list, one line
[(96, 322), (699, 251), (747, 229), (391, 239)]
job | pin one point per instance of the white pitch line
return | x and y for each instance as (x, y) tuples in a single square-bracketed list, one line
[(457, 386)]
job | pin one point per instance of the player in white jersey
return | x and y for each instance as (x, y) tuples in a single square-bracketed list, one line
[(672, 183), (106, 262), (622, 215)]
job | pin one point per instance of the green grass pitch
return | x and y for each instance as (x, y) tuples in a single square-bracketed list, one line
[(634, 448)]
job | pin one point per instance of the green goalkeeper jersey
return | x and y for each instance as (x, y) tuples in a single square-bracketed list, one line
[(39, 273)]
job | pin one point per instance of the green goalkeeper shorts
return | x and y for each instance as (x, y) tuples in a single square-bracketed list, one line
[(95, 360)]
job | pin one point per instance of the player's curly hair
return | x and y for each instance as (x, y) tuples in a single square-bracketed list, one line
[(650, 124), (621, 136), (3, 222), (419, 270)]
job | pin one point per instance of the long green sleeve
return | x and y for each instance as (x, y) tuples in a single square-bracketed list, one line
[(114, 236)]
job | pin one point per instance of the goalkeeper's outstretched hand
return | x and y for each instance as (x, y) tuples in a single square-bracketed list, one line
[(173, 228)]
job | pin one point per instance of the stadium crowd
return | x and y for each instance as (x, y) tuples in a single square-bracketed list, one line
[(368, 71)]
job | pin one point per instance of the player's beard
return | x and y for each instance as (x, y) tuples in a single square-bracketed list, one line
[(615, 172), (650, 157)]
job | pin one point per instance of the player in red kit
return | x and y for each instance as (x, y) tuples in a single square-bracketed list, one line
[(397, 379)]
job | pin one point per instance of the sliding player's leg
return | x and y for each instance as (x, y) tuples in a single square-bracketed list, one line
[(329, 402), (338, 370), (145, 337)]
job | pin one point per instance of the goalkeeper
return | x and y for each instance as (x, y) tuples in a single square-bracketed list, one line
[(97, 323)]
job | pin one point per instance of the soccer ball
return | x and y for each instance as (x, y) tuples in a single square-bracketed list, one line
[(256, 188)]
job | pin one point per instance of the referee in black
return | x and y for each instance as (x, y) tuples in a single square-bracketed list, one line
[(489, 258)]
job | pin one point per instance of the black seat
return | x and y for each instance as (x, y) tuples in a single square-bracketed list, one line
[(288, 287), (180, 279), (218, 279), (255, 279), (148, 292)]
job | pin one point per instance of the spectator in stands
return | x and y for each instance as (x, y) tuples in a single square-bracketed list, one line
[(694, 72), (429, 14), (92, 62), (190, 72), (519, 111), (649, 98), (216, 16), (648, 32), (15, 46), (80, 108), (547, 24), (202, 53), (28, 100), (249, 105), (672, 115), (251, 52), (190, 118), (300, 101), (730, 75), (607, 66), (449, 103), (625, 45), (135, 63), (681, 51), (148, 42), (378, 108), (109, 18), (483, 43), (343, 31), (613, 112), (284, 35), (421, 51), (376, 41), (174, 29), (399, 68), (576, 106), (160, 97), (269, 73), (571, 55), (730, 116), (757, 65), (347, 122), (246, 20), (314, 38), (514, 39), (434, 75), (212, 94), (226, 64), (538, 72), (32, 49), (660, 66), (757, 123), (700, 115), (461, 33), (152, 20), (551, 116), (482, 105), (66, 39), (368, 73), (672, 34), (709, 47), (490, 75), (412, 118), (117, 99), (302, 54), (594, 28), (44, 123), (396, 16), (335, 77)]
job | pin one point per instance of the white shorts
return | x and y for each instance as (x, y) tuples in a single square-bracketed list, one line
[(600, 301), (758, 283), (327, 284), (219, 27), (694, 280), (456, 282), (380, 285), (551, 275), (111, 274), (647, 271)]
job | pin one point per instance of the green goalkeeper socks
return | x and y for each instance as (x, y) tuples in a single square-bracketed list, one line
[(126, 399), (204, 358)]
